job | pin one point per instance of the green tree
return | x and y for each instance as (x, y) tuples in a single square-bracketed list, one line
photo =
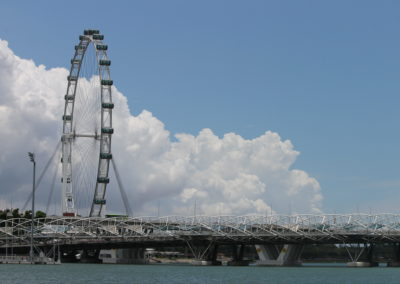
[(3, 214), (40, 214), (28, 214), (16, 213)]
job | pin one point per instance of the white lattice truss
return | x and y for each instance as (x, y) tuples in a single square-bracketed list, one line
[(277, 229)]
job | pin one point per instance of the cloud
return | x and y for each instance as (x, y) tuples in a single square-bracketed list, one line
[(178, 174)]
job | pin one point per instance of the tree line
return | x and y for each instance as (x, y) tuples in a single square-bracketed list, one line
[(15, 213)]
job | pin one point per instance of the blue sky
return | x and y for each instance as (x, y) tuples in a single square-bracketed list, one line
[(322, 74)]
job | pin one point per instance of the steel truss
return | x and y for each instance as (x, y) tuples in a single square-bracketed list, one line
[(143, 231)]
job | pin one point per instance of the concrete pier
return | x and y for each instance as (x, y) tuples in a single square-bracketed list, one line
[(205, 254), (270, 255), (237, 256), (361, 255)]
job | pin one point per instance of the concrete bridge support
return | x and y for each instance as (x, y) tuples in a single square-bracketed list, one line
[(396, 260), (204, 254), (237, 256), (272, 255), (361, 256)]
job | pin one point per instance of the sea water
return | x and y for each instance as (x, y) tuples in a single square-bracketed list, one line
[(100, 273)]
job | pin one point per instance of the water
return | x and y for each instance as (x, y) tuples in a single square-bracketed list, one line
[(97, 273)]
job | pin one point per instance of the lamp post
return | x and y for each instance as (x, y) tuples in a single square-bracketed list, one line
[(32, 159), (8, 216)]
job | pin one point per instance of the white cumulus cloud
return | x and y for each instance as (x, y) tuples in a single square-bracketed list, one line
[(217, 175)]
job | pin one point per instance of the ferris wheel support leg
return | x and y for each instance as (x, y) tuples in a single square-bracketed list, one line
[(128, 208)]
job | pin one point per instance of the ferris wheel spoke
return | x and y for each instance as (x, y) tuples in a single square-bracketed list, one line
[(85, 170)]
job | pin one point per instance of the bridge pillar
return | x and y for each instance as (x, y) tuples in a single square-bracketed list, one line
[(396, 261), (205, 254), (237, 256), (362, 256), (270, 255)]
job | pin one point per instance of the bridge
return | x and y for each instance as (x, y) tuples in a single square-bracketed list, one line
[(203, 234)]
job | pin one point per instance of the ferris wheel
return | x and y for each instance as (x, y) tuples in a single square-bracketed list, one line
[(87, 128)]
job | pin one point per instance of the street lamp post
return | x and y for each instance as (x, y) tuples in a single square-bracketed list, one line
[(32, 159), (8, 216)]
